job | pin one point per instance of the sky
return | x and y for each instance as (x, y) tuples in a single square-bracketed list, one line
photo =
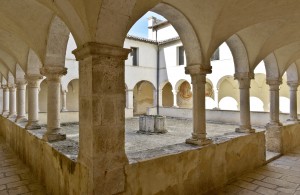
[(140, 28)]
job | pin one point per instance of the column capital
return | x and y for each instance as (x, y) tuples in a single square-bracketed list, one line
[(97, 49), (198, 69), (244, 75), (21, 82), (33, 79), (293, 84), (53, 72), (272, 81), (11, 86), (4, 87)]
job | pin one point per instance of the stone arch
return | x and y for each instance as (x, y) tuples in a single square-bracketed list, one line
[(65, 81), (162, 84), (178, 83), (4, 69), (143, 97), (8, 61), (57, 42), (256, 104), (292, 73), (33, 64), (184, 29), (209, 89), (43, 92), (186, 32), (137, 84), (19, 73), (226, 77), (239, 53), (271, 65), (228, 87), (73, 95), (185, 95), (167, 95), (228, 103)]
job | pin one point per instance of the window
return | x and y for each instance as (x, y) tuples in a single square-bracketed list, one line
[(180, 55), (134, 55), (216, 55)]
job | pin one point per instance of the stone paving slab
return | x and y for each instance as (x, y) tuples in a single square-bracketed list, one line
[(15, 177), (277, 177)]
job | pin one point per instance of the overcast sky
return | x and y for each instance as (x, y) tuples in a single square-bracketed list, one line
[(140, 28)]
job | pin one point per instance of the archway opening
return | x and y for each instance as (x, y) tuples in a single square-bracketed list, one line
[(72, 103), (143, 97), (167, 96)]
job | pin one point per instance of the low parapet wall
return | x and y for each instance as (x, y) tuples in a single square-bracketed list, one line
[(196, 170), (59, 173), (283, 139), (219, 116)]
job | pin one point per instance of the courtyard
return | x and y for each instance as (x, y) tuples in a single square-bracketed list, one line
[(141, 146)]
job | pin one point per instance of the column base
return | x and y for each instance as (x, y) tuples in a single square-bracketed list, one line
[(199, 142), (64, 110), (32, 125), (273, 124), (5, 113), (293, 121), (52, 137), (244, 130), (12, 115), (21, 119)]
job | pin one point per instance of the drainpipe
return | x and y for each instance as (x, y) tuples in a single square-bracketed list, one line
[(157, 76)]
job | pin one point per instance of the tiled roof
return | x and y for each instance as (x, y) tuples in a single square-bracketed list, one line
[(168, 40), (152, 41), (159, 23), (141, 39)]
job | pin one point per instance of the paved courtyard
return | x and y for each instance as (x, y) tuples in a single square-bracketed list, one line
[(281, 176), (178, 131), (15, 177)]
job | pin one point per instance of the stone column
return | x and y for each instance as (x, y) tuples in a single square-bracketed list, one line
[(154, 98), (33, 101), (53, 74), (160, 101), (12, 101), (64, 101), (5, 111), (244, 79), (216, 97), (274, 102), (175, 98), (102, 119), (21, 99), (293, 101), (198, 75), (129, 99)]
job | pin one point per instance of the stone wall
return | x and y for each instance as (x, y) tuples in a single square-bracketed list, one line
[(59, 173), (219, 116), (283, 139), (197, 170), (290, 137)]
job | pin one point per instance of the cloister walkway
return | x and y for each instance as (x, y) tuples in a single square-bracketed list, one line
[(15, 177), (281, 176)]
